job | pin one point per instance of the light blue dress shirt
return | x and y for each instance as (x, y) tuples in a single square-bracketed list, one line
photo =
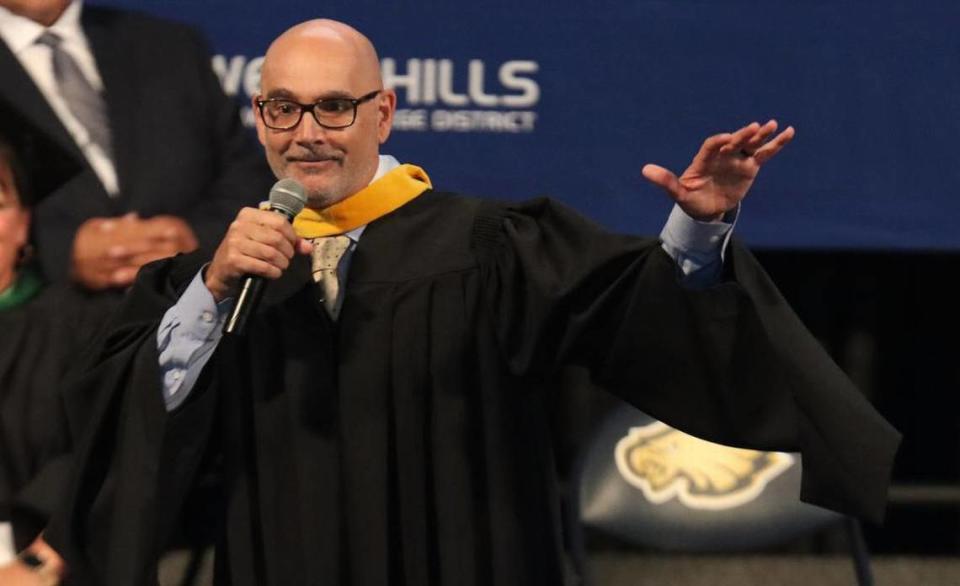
[(191, 329)]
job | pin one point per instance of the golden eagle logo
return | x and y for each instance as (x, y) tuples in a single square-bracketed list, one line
[(665, 463)]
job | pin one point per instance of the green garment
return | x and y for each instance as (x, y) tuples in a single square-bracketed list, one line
[(24, 288)]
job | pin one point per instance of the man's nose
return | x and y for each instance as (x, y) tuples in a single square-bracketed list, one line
[(309, 130)]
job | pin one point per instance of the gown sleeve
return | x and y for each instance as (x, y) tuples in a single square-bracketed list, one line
[(129, 480), (731, 363)]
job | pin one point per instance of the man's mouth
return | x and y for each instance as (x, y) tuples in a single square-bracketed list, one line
[(313, 159)]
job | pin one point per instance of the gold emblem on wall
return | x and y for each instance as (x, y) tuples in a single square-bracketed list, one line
[(666, 463)]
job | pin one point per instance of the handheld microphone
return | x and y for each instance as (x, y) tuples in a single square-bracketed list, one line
[(287, 197)]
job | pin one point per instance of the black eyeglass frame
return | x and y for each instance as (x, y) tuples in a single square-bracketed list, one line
[(355, 102)]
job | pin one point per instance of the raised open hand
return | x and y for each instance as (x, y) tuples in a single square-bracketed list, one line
[(722, 172)]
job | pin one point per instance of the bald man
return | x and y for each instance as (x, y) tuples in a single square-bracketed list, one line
[(382, 419)]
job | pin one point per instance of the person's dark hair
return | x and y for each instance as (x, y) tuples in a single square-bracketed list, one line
[(21, 181)]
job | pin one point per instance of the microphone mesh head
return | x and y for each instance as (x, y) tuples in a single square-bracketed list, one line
[(288, 196)]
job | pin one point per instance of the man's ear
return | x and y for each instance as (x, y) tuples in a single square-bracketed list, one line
[(258, 120), (386, 107)]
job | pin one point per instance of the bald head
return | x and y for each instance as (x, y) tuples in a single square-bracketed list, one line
[(324, 60), (335, 41)]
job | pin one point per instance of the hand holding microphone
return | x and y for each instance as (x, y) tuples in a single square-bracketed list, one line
[(258, 245)]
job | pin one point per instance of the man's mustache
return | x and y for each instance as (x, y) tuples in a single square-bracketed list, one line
[(311, 156)]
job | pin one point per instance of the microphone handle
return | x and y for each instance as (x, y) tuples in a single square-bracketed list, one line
[(247, 301)]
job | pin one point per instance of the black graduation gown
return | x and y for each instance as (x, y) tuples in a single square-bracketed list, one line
[(39, 344), (407, 443)]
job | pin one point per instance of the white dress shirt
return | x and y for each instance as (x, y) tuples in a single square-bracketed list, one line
[(21, 34)]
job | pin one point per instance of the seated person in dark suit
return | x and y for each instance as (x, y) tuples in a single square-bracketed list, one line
[(166, 159)]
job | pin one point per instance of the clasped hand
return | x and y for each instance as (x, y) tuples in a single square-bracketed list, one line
[(108, 252)]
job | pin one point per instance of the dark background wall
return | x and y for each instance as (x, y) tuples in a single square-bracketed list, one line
[(890, 320)]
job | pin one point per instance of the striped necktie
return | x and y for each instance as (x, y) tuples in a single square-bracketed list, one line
[(84, 101)]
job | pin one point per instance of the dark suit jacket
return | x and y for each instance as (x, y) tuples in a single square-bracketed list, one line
[(179, 145)]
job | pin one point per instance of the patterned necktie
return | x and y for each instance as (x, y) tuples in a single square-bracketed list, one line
[(327, 253), (84, 101)]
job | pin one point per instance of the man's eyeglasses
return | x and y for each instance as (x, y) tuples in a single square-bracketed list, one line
[(332, 113)]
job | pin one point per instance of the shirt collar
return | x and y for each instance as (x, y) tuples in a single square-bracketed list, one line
[(386, 164), (20, 32)]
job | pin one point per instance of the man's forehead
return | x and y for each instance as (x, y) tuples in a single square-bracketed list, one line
[(307, 97), (315, 70), (308, 85)]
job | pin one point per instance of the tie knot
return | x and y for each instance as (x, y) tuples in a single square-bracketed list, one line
[(328, 251), (50, 39)]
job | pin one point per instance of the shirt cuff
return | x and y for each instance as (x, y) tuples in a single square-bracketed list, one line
[(695, 238), (200, 315), (188, 333)]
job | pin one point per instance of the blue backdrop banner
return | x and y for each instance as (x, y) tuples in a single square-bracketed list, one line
[(513, 100)]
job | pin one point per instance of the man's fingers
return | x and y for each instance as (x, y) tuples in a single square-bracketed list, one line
[(663, 178), (169, 230), (247, 264), (242, 248), (261, 268), (264, 235), (714, 144), (273, 238), (152, 255), (259, 243), (123, 276), (279, 237), (253, 217), (122, 253), (265, 217), (267, 253), (740, 137), (127, 252), (304, 246), (160, 231), (108, 224), (755, 142), (767, 151)]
